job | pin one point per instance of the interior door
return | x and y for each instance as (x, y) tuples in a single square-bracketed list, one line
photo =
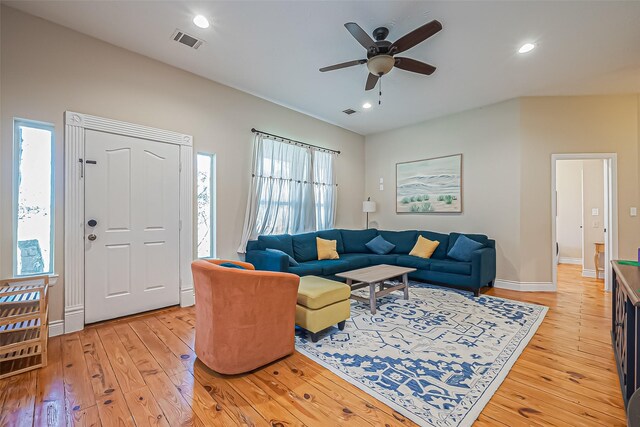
[(132, 225)]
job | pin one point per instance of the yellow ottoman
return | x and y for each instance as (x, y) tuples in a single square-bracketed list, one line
[(321, 303)]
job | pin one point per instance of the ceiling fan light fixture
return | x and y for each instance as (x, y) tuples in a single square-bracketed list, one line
[(381, 64), (526, 48)]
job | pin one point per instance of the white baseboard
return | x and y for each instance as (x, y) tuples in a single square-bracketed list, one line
[(565, 260), (187, 297), (525, 286), (73, 319), (592, 274), (56, 327)]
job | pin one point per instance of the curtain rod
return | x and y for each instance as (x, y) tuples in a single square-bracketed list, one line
[(254, 130)]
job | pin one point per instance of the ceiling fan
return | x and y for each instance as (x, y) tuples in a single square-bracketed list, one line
[(380, 53)]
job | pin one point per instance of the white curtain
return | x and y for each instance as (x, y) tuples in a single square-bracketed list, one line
[(324, 188), (292, 190)]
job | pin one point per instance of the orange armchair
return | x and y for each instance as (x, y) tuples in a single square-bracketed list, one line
[(244, 318)]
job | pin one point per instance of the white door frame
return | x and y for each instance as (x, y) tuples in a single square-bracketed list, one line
[(74, 141), (611, 237)]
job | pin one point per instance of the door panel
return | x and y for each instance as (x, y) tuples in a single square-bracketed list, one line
[(154, 175), (132, 191), (155, 268), (118, 189), (118, 270)]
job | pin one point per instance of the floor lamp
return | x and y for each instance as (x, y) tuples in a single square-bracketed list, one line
[(368, 206)]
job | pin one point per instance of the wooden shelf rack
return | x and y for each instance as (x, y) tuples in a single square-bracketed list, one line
[(23, 324)]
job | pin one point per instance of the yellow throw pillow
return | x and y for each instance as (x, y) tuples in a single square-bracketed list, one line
[(424, 248), (327, 249)]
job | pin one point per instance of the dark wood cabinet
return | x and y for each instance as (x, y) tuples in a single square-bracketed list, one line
[(625, 325)]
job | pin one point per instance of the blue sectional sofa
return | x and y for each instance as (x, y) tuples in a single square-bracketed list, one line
[(351, 246)]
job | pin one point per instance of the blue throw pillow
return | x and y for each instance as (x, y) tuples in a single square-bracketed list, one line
[(463, 248), (379, 246), (232, 265), (292, 262)]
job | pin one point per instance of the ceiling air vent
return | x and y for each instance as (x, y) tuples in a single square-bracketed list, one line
[(186, 39), (349, 111)]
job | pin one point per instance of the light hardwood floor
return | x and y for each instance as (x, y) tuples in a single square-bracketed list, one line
[(142, 371)]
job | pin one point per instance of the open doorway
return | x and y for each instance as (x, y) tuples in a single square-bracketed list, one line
[(584, 229)]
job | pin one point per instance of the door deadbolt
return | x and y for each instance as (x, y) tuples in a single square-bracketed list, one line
[(92, 223), (92, 237)]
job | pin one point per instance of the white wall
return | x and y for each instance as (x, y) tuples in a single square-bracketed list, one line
[(507, 150), (489, 141), (47, 69), (569, 218), (593, 198), (575, 124)]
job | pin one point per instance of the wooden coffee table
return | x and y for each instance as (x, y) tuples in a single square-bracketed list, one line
[(377, 275)]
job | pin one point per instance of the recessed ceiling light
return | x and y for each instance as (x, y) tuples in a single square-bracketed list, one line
[(526, 48), (201, 21), (366, 105)]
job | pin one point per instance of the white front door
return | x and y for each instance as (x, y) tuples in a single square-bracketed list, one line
[(132, 225)]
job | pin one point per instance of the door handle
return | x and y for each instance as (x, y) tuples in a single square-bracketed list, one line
[(92, 237)]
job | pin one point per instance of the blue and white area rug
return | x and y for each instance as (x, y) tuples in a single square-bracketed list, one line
[(437, 358)]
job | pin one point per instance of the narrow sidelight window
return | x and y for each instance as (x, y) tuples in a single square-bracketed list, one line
[(206, 205), (33, 198)]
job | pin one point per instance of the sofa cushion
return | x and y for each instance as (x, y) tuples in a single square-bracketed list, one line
[(327, 267), (282, 242), (382, 259), (331, 267), (356, 261), (305, 247), (307, 269), (404, 240), (454, 267), (332, 235), (379, 246), (292, 261), (443, 247), (355, 240), (326, 249), (253, 245), (413, 262), (463, 248), (440, 277), (480, 238)]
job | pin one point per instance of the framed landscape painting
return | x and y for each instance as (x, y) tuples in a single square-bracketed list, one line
[(430, 185)]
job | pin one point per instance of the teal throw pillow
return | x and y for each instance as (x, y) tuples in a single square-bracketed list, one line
[(232, 265), (463, 248), (379, 246)]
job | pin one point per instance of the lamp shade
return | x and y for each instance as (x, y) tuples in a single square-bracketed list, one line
[(368, 206), (380, 64)]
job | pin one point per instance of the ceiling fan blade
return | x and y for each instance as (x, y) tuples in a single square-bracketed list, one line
[(344, 65), (363, 38), (372, 79), (416, 36), (414, 66)]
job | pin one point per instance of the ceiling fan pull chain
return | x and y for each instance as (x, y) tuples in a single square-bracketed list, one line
[(380, 91)]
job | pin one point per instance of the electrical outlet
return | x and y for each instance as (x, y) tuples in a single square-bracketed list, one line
[(595, 212), (633, 211), (381, 187), (381, 180)]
